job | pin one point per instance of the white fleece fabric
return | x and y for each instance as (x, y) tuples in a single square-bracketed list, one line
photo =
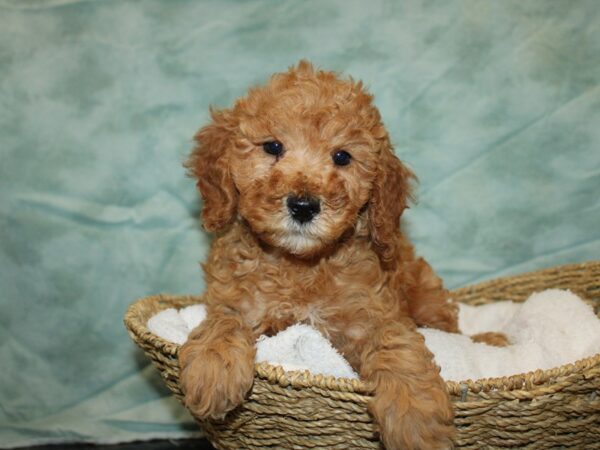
[(549, 329)]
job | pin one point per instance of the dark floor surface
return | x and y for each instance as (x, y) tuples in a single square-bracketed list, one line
[(171, 444)]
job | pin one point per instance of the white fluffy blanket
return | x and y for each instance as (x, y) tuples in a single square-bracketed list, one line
[(551, 328)]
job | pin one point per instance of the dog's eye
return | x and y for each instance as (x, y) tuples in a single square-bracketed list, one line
[(273, 148), (341, 158)]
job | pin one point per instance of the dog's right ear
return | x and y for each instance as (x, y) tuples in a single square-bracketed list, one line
[(209, 163)]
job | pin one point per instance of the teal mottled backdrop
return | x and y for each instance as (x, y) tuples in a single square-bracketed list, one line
[(496, 106)]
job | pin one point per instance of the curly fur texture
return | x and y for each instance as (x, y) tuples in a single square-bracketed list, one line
[(350, 272)]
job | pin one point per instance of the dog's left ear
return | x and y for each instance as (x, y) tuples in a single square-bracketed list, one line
[(390, 195), (209, 163)]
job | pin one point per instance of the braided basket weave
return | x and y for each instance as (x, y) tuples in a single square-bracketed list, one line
[(542, 409)]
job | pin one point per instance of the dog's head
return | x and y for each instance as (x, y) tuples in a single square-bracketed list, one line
[(302, 161)]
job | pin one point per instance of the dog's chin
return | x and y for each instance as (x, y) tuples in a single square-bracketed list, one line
[(300, 245), (302, 241)]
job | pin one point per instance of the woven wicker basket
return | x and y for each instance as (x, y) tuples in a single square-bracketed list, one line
[(541, 409)]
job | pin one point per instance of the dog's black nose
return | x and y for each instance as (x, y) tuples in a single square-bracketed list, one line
[(303, 209)]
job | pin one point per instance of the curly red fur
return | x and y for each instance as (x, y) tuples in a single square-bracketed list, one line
[(350, 272), (389, 196), (209, 163)]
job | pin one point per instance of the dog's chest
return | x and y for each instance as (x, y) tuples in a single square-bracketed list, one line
[(332, 295), (272, 314), (328, 303)]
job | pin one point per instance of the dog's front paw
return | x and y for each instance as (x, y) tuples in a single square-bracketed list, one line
[(214, 382), (413, 420)]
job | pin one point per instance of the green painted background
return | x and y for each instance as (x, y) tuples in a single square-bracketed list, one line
[(495, 105)]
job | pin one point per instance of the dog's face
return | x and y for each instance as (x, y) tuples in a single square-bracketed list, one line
[(300, 160), (304, 162)]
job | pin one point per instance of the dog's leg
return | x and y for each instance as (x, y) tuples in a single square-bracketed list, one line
[(428, 300), (429, 305), (217, 365), (411, 404)]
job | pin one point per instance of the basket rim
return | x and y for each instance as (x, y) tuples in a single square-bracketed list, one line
[(527, 383)]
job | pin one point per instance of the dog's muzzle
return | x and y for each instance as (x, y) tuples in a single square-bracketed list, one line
[(303, 209)]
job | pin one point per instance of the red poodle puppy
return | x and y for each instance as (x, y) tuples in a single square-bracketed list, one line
[(302, 187)]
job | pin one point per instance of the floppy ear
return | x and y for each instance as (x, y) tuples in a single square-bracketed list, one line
[(209, 163), (389, 197)]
